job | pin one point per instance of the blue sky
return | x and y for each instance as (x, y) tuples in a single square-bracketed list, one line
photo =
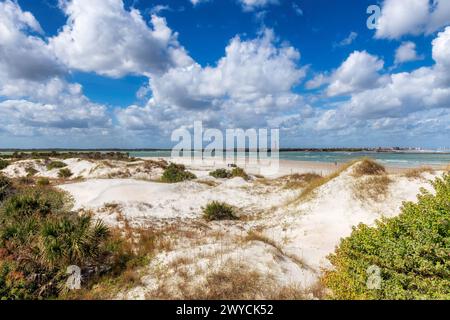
[(127, 73)]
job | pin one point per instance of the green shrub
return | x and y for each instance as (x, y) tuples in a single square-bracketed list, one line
[(239, 172), (56, 165), (4, 164), (221, 174), (70, 240), (412, 251), (65, 173), (176, 173), (32, 201), (30, 171), (43, 182), (219, 211), (6, 187), (40, 238)]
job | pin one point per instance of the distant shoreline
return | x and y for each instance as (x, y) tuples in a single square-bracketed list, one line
[(284, 150)]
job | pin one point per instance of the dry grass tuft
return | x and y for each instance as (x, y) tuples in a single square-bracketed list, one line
[(374, 188), (298, 181), (231, 281), (209, 183), (256, 236), (314, 184), (416, 173), (368, 167)]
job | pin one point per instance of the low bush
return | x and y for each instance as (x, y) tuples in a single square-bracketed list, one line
[(219, 211), (43, 182), (56, 165), (368, 167), (4, 164), (411, 251), (221, 174), (40, 238), (30, 171), (64, 173), (6, 187), (32, 201), (176, 173), (239, 172)]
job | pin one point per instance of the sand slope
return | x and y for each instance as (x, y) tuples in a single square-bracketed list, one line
[(285, 240)]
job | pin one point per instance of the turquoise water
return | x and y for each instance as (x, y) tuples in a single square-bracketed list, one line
[(392, 158), (397, 159)]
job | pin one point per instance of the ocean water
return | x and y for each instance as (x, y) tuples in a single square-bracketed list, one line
[(397, 159)]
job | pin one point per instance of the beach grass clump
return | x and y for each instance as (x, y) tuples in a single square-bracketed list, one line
[(298, 181), (65, 173), (221, 174), (43, 182), (368, 167), (176, 173), (4, 164), (216, 211), (227, 174), (233, 280), (56, 165), (416, 173), (405, 257), (374, 188), (239, 172)]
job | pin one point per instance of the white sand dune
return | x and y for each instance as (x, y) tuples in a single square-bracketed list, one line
[(295, 237), (145, 201), (280, 237), (87, 169)]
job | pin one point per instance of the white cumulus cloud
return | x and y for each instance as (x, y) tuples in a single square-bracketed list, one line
[(359, 72), (412, 17), (406, 52), (255, 77), (104, 37)]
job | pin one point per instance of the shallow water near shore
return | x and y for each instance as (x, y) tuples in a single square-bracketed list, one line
[(391, 159)]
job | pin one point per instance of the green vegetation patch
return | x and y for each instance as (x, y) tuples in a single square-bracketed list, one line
[(221, 174), (410, 251), (6, 187), (43, 182), (65, 173), (227, 174), (4, 164), (176, 173), (219, 211), (56, 165), (40, 238)]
